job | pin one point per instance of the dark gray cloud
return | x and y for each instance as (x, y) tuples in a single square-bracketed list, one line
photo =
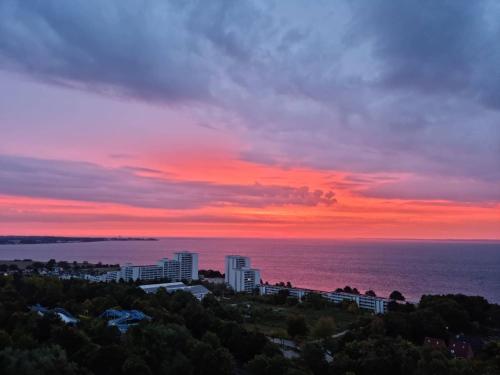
[(124, 48), (434, 46), (380, 86), (80, 181)]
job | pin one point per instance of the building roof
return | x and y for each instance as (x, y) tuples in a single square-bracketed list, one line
[(123, 319), (63, 314), (173, 287), (198, 289), (167, 286)]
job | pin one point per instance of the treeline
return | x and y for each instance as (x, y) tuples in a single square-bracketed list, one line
[(190, 337), (33, 240), (184, 337), (393, 343)]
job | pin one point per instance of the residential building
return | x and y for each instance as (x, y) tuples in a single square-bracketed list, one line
[(184, 266), (147, 272), (234, 262), (239, 275), (188, 264), (246, 279), (199, 291), (376, 304), (298, 293), (171, 268)]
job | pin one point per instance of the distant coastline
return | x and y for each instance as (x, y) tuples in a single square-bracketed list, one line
[(34, 240)]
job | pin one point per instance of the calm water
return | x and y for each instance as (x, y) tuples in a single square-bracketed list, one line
[(413, 267)]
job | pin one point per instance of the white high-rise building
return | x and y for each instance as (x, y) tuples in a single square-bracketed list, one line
[(171, 269), (188, 264), (234, 262), (246, 279), (239, 275)]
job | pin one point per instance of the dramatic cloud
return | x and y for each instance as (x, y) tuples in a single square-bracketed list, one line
[(380, 86), (40, 178)]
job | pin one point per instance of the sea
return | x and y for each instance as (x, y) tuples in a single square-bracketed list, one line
[(414, 267)]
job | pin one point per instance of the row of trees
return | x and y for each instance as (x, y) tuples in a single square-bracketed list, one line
[(185, 337), (189, 337)]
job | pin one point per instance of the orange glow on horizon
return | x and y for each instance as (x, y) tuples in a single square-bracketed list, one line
[(353, 216)]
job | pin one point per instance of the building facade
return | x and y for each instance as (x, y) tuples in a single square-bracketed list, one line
[(376, 304), (188, 265), (184, 266), (246, 279), (239, 275), (234, 262)]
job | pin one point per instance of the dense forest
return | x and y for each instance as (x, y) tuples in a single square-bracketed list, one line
[(186, 336)]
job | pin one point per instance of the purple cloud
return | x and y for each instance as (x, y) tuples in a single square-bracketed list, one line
[(42, 178), (405, 87)]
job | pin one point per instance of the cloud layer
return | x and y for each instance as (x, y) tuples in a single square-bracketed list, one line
[(380, 86), (41, 178)]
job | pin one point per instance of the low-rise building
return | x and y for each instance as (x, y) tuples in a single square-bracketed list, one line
[(199, 291), (378, 305), (298, 293)]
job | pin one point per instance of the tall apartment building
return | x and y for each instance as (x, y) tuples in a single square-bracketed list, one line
[(188, 263), (232, 263), (184, 266), (246, 279), (171, 268), (239, 275)]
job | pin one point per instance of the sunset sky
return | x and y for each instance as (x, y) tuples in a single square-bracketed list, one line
[(250, 118)]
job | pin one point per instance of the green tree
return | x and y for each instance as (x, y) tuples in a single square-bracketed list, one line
[(41, 361), (313, 356), (135, 365), (263, 365), (370, 293), (324, 327), (396, 296), (5, 340), (296, 326)]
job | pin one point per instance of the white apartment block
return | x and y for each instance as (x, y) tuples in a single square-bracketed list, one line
[(188, 263), (171, 268), (184, 266), (234, 262), (376, 304), (298, 293), (246, 279), (239, 275)]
